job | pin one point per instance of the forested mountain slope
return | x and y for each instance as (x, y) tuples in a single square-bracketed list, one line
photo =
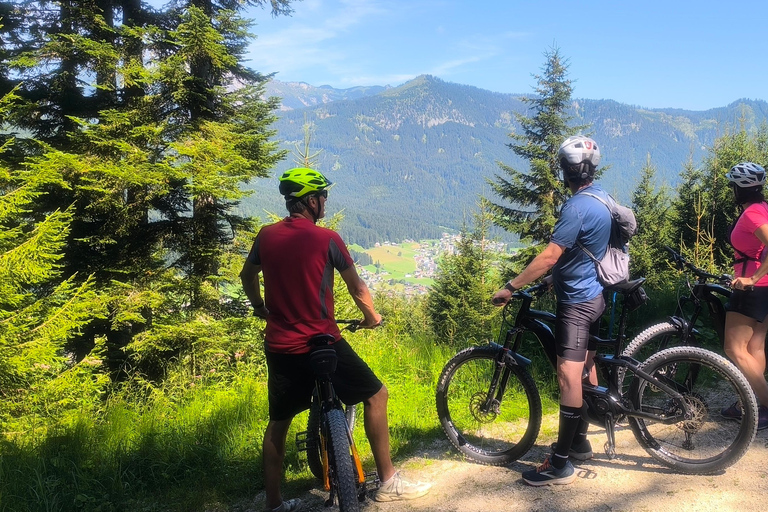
[(411, 161)]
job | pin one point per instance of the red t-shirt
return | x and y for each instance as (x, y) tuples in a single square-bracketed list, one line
[(743, 238), (297, 260)]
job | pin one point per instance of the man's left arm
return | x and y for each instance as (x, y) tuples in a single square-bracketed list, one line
[(540, 265)]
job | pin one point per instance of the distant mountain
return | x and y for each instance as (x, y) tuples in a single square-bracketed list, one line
[(411, 161), (299, 94)]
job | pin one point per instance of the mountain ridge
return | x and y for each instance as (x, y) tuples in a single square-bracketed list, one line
[(410, 161)]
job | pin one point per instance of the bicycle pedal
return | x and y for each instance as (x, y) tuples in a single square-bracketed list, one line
[(302, 438), (372, 478)]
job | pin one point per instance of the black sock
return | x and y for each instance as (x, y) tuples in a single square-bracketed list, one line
[(570, 418), (581, 433)]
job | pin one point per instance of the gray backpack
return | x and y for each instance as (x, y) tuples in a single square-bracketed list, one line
[(614, 267)]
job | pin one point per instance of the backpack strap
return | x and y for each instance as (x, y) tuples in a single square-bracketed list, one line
[(601, 200), (586, 251), (610, 211)]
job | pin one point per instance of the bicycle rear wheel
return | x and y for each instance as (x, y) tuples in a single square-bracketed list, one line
[(489, 432), (343, 478), (702, 441), (314, 459)]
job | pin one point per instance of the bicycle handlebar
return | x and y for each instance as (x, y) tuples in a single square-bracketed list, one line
[(354, 325), (530, 292), (682, 263)]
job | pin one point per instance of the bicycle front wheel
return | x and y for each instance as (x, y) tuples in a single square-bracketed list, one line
[(343, 478), (695, 439), (495, 429), (314, 458), (652, 340)]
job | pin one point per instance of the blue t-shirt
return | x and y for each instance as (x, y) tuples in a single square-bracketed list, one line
[(587, 220)]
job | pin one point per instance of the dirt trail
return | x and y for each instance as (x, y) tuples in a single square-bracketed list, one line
[(631, 482)]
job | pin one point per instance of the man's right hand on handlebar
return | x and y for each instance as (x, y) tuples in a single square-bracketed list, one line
[(370, 323)]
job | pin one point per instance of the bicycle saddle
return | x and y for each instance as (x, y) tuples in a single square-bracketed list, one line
[(628, 287)]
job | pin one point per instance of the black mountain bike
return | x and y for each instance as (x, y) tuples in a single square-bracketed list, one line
[(490, 408), (331, 452), (681, 329)]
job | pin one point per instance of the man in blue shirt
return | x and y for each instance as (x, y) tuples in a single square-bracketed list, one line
[(580, 302)]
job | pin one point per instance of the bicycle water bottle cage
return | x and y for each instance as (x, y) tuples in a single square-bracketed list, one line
[(323, 361)]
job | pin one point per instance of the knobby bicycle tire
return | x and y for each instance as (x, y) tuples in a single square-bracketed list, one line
[(704, 442), (652, 340), (343, 476), (314, 458), (494, 437)]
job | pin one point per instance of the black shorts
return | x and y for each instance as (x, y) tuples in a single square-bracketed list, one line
[(291, 381), (573, 325), (753, 304)]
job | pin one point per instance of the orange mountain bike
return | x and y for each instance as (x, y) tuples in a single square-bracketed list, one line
[(331, 452)]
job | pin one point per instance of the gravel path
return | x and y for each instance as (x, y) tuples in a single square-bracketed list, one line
[(631, 482)]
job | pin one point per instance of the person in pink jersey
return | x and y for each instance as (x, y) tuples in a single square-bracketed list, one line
[(298, 259), (746, 318)]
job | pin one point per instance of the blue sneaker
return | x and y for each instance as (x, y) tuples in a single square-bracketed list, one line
[(733, 412), (547, 474)]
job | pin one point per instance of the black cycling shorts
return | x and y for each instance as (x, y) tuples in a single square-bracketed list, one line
[(753, 303), (291, 381), (573, 325)]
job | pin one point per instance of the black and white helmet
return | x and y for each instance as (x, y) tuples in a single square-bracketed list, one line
[(578, 149), (746, 174)]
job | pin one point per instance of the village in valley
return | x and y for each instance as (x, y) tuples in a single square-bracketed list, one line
[(410, 267)]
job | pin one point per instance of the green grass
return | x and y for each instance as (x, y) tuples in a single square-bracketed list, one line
[(201, 449)]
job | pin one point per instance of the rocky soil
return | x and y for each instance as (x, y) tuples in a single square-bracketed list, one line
[(631, 482)]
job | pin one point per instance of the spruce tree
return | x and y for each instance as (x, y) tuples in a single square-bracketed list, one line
[(652, 208), (704, 208), (458, 304), (532, 198), (39, 311)]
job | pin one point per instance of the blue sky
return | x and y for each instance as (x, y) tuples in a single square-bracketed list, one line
[(675, 53)]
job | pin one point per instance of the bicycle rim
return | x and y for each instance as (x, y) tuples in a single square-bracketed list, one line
[(495, 434), (343, 478), (703, 441)]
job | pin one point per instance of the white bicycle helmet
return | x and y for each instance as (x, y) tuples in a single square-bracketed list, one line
[(578, 149), (746, 174)]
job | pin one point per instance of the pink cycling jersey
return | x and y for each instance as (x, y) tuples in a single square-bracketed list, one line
[(744, 240)]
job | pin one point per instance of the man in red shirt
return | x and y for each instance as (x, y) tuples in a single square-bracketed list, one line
[(297, 259)]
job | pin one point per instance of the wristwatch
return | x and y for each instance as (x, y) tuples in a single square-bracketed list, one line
[(509, 287)]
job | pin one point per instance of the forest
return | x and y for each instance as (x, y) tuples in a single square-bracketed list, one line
[(132, 373)]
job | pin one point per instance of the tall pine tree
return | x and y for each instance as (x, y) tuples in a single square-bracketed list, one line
[(532, 198)]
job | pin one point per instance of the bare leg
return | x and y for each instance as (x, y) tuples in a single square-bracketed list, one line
[(745, 345), (590, 369), (274, 454), (377, 432)]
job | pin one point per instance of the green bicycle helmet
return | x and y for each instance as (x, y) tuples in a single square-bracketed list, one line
[(302, 181)]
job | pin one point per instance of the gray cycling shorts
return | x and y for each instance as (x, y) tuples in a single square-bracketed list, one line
[(573, 325)]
